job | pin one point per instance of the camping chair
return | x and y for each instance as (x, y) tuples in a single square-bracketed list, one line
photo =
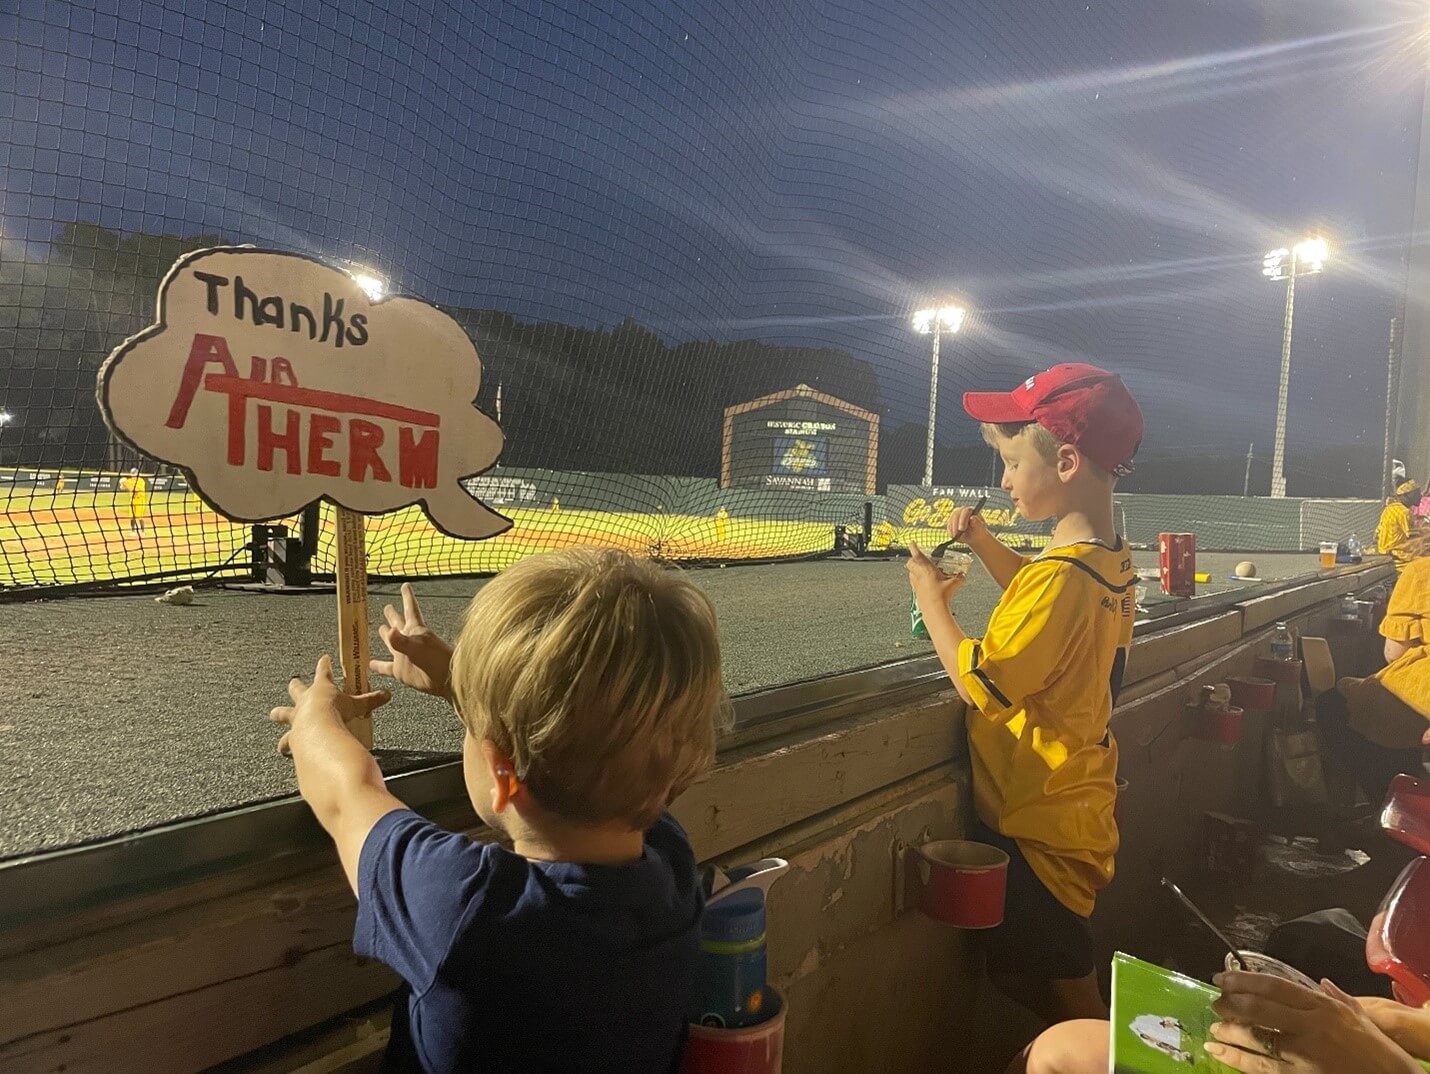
[(1320, 667)]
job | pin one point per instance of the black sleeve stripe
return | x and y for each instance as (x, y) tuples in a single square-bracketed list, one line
[(1119, 668), (992, 689), (1080, 565)]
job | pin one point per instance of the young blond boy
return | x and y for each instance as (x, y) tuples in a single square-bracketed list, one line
[(1041, 683), (589, 687)]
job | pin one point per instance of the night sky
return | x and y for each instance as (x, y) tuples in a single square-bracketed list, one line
[(1099, 180)]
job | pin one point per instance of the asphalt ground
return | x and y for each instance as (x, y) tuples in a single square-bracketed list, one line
[(125, 713)]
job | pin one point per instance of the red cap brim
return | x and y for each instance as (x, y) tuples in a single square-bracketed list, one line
[(996, 408)]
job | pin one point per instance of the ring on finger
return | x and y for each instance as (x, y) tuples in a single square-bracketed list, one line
[(1270, 1040)]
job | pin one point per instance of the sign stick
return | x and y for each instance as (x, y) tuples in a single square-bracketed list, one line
[(352, 612)]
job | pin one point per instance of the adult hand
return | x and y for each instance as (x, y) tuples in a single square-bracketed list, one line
[(322, 702), (420, 658), (931, 586), (1409, 1027), (1304, 1031)]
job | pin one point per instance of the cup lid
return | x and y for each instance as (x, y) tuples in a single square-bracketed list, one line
[(735, 919)]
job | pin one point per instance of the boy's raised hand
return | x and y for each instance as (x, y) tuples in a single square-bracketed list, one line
[(967, 526), (322, 701), (420, 658), (930, 585)]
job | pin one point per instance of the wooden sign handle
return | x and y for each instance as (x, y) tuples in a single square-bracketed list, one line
[(353, 649)]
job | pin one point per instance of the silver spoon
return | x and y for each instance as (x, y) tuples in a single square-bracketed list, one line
[(1235, 954)]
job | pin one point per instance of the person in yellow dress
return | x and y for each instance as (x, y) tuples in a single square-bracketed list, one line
[(138, 490), (1397, 525), (1373, 726)]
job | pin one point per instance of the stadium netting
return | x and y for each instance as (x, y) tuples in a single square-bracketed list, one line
[(690, 241)]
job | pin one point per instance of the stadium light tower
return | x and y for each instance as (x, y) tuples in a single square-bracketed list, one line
[(1306, 258), (936, 322)]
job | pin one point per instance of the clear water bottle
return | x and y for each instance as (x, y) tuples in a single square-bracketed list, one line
[(1283, 645), (1355, 552)]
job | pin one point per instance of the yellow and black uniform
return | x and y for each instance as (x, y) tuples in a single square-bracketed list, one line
[(1044, 678), (1392, 535), (1374, 725)]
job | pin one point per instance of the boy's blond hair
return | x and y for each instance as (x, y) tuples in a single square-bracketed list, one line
[(1044, 442), (598, 674)]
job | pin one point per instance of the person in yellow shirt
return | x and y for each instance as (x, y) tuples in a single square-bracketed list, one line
[(1397, 524), (138, 490), (1372, 727), (1040, 684)]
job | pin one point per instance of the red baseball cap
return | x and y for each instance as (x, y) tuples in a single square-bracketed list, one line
[(1079, 404)]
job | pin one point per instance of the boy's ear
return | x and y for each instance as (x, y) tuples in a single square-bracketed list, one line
[(505, 785), (1068, 462)]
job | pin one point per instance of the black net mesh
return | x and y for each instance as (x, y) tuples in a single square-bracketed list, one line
[(688, 240)]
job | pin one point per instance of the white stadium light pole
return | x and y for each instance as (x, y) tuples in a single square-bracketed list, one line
[(936, 322), (1306, 258)]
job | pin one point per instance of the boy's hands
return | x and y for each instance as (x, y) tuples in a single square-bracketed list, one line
[(966, 526), (320, 702), (930, 585), (420, 658)]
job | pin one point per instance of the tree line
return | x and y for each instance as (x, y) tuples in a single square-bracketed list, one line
[(619, 399)]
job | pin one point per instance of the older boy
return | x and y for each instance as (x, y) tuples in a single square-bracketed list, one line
[(1041, 683), (589, 687)]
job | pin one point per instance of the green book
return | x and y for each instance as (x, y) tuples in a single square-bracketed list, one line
[(1160, 1020)]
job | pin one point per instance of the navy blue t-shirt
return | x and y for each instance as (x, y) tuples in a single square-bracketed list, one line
[(517, 965)]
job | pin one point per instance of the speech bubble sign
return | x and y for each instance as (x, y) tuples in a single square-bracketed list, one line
[(273, 381)]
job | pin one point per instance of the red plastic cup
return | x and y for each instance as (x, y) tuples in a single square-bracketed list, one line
[(1248, 692), (756, 1049), (964, 883), (1220, 725)]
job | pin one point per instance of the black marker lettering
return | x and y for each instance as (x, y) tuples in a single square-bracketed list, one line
[(270, 311), (212, 283), (296, 311), (242, 294), (332, 318)]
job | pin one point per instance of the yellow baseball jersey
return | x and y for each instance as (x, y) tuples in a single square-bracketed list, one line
[(1393, 532), (1044, 678), (138, 490)]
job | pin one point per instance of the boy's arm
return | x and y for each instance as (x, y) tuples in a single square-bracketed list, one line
[(1000, 561), (947, 637), (337, 776), (933, 590)]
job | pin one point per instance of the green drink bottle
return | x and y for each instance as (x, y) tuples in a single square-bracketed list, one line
[(916, 620)]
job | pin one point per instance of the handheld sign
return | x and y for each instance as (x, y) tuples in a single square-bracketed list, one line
[(273, 381)]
